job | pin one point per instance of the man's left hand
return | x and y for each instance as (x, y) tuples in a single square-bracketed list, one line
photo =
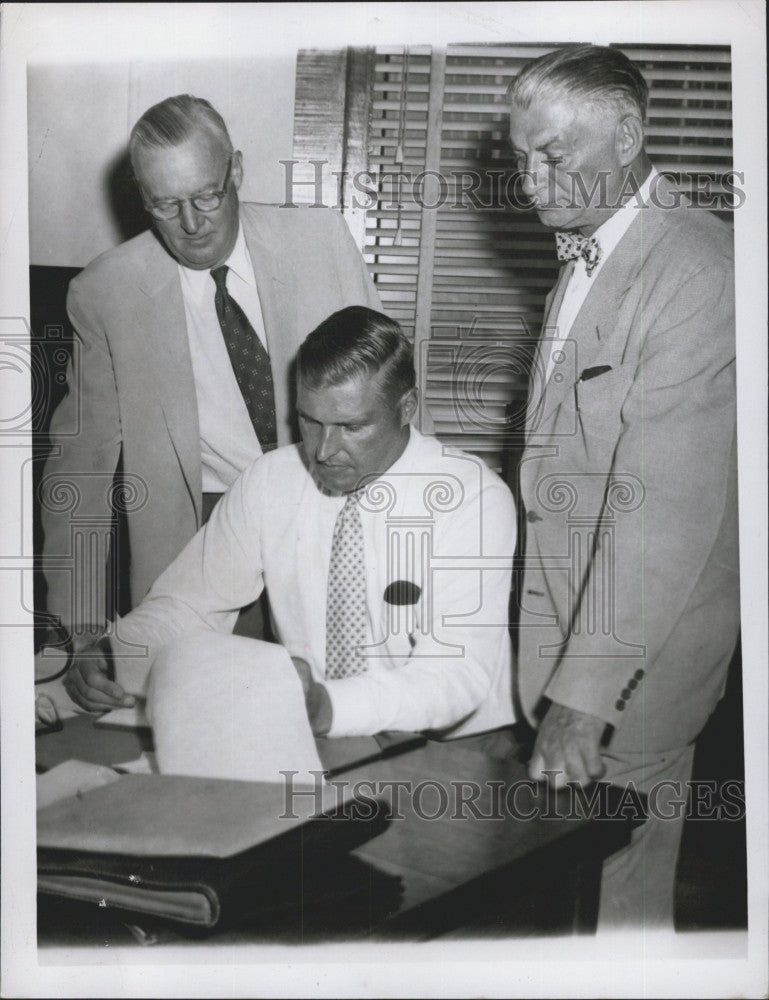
[(316, 698), (569, 745), (302, 668)]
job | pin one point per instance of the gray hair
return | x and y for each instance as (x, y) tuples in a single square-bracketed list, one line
[(594, 74), (173, 121)]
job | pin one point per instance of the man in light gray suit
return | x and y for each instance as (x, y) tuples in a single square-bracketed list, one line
[(156, 378), (629, 604)]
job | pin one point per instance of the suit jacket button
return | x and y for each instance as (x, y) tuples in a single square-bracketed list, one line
[(532, 515), (620, 705)]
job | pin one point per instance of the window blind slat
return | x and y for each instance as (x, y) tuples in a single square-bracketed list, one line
[(481, 267), (491, 263)]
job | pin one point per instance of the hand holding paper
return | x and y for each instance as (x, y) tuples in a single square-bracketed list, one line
[(316, 698), (89, 680), (304, 672), (223, 706)]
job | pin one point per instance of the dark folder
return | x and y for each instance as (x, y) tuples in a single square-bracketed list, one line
[(188, 850)]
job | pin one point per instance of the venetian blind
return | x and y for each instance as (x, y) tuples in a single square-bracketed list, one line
[(455, 258)]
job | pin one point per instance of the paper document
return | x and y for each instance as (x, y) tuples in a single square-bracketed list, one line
[(144, 764), (125, 718), (235, 709), (72, 777)]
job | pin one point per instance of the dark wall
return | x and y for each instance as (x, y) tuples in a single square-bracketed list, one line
[(51, 345)]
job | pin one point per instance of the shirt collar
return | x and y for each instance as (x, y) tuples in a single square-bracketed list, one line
[(239, 260), (609, 233)]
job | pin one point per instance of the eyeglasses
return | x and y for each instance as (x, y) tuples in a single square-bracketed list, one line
[(208, 201)]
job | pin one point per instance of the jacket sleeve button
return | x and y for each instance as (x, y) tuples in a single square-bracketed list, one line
[(639, 674), (620, 705), (626, 692)]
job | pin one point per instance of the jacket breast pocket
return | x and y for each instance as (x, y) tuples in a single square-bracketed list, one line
[(599, 402)]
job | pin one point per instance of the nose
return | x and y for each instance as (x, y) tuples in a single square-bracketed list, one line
[(529, 181), (189, 218), (328, 443), (533, 176)]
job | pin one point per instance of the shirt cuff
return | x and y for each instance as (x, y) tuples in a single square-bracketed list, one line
[(131, 658)]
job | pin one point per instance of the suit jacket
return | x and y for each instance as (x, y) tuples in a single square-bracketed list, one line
[(131, 393), (630, 595)]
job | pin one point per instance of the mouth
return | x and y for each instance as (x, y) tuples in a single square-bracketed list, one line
[(541, 205), (328, 467), (334, 470), (333, 477)]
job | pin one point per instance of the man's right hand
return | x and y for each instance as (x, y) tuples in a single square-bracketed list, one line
[(88, 683)]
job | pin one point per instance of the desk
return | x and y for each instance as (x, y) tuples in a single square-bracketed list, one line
[(473, 845)]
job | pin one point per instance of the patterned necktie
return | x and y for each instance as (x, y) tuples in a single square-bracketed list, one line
[(569, 246), (346, 607), (249, 360)]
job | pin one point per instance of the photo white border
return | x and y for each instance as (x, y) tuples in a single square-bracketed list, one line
[(685, 965)]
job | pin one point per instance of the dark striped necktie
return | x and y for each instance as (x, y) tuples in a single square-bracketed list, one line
[(249, 360)]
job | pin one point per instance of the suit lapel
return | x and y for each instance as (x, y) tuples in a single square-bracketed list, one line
[(542, 353), (598, 310), (273, 271), (596, 321), (161, 322)]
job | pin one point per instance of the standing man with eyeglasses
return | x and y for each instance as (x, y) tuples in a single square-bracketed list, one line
[(184, 340)]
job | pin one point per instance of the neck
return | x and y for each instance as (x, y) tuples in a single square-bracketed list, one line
[(628, 183)]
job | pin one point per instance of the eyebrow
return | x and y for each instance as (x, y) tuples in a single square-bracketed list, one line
[(201, 190), (334, 423), (543, 146)]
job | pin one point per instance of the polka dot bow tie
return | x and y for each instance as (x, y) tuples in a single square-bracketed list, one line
[(569, 246)]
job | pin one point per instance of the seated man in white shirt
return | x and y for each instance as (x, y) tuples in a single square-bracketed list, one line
[(386, 557)]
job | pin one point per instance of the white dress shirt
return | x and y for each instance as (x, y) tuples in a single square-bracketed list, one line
[(228, 442), (608, 235), (438, 518)]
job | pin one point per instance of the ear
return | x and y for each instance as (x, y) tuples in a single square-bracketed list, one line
[(629, 139), (408, 406), (236, 171)]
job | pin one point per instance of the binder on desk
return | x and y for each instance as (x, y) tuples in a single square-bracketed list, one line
[(188, 850)]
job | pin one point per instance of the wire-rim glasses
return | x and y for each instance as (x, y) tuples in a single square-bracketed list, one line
[(208, 201)]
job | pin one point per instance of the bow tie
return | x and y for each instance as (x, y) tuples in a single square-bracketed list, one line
[(569, 246)]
